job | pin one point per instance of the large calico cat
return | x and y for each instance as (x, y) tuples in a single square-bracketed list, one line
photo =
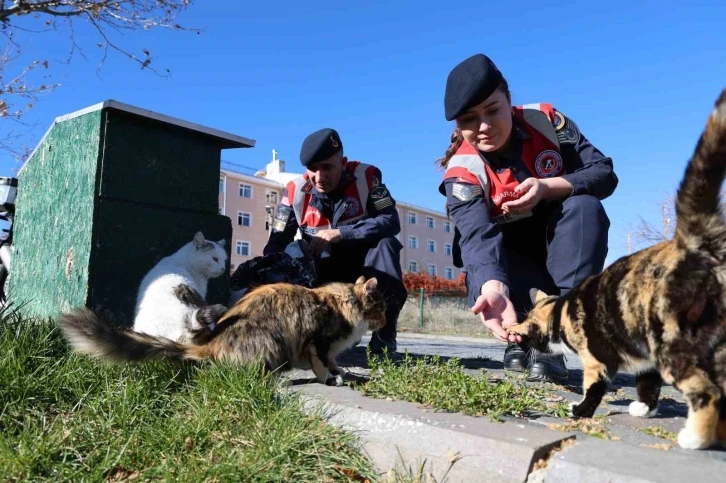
[(660, 312), (284, 326)]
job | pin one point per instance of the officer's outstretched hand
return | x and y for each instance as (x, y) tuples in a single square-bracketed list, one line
[(497, 313)]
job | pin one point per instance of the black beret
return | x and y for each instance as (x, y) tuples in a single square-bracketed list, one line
[(320, 145), (469, 84)]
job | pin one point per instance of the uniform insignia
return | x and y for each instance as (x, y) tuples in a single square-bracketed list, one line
[(378, 193), (567, 131), (571, 132), (333, 142), (376, 182), (383, 203), (307, 187), (466, 192), (559, 121), (278, 225), (283, 212), (352, 206), (548, 163)]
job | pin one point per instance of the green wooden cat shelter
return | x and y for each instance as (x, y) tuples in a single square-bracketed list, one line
[(108, 192)]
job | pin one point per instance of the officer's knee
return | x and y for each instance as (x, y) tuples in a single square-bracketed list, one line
[(587, 207), (390, 244)]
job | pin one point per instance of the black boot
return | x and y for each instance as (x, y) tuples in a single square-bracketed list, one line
[(515, 359), (380, 342), (547, 367), (385, 337)]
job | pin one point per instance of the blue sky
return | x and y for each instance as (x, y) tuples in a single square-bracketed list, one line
[(639, 78)]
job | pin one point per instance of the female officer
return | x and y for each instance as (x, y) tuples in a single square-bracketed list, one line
[(523, 187)]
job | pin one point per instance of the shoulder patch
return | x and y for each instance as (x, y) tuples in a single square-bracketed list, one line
[(567, 131), (466, 192), (559, 122), (381, 197)]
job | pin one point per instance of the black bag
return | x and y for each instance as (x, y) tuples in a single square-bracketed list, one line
[(275, 268)]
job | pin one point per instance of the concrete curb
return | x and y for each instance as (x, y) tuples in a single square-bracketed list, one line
[(400, 435), (593, 461)]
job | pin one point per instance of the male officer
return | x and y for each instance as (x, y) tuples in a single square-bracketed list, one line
[(349, 218)]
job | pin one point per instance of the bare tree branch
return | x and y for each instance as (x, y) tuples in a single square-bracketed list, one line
[(647, 234), (23, 81)]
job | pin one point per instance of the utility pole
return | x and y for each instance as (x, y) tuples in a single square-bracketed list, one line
[(630, 245), (666, 220)]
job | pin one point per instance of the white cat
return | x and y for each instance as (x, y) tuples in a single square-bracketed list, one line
[(171, 294)]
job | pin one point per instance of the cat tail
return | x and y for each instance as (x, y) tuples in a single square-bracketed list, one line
[(88, 334), (699, 217)]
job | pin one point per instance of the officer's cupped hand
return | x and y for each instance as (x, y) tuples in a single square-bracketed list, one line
[(531, 191), (322, 240), (497, 313)]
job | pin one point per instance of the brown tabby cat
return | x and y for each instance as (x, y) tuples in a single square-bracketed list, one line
[(282, 325), (660, 312)]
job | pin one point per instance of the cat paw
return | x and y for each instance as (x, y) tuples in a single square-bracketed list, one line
[(688, 439), (640, 410), (577, 410), (336, 380), (573, 408)]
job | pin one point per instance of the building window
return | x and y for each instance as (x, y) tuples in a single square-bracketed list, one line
[(243, 248), (245, 190), (449, 273), (413, 266), (221, 185), (431, 246), (432, 269), (447, 248), (244, 219), (271, 196), (412, 242), (412, 218), (430, 222), (447, 226)]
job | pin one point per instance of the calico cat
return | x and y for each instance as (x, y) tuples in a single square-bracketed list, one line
[(660, 312), (282, 325), (170, 302)]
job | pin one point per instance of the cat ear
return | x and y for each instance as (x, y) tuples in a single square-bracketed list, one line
[(536, 295), (371, 285), (360, 280), (198, 240), (222, 243)]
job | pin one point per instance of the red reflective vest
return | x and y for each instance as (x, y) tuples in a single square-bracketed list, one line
[(540, 154), (353, 208)]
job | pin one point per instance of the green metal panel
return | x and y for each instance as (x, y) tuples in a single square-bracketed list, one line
[(107, 194), (149, 161), (54, 214), (129, 239)]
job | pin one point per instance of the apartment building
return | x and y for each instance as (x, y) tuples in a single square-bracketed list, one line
[(427, 238), (250, 201)]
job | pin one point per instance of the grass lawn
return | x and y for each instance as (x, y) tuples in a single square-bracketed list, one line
[(441, 315), (444, 385), (65, 417)]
